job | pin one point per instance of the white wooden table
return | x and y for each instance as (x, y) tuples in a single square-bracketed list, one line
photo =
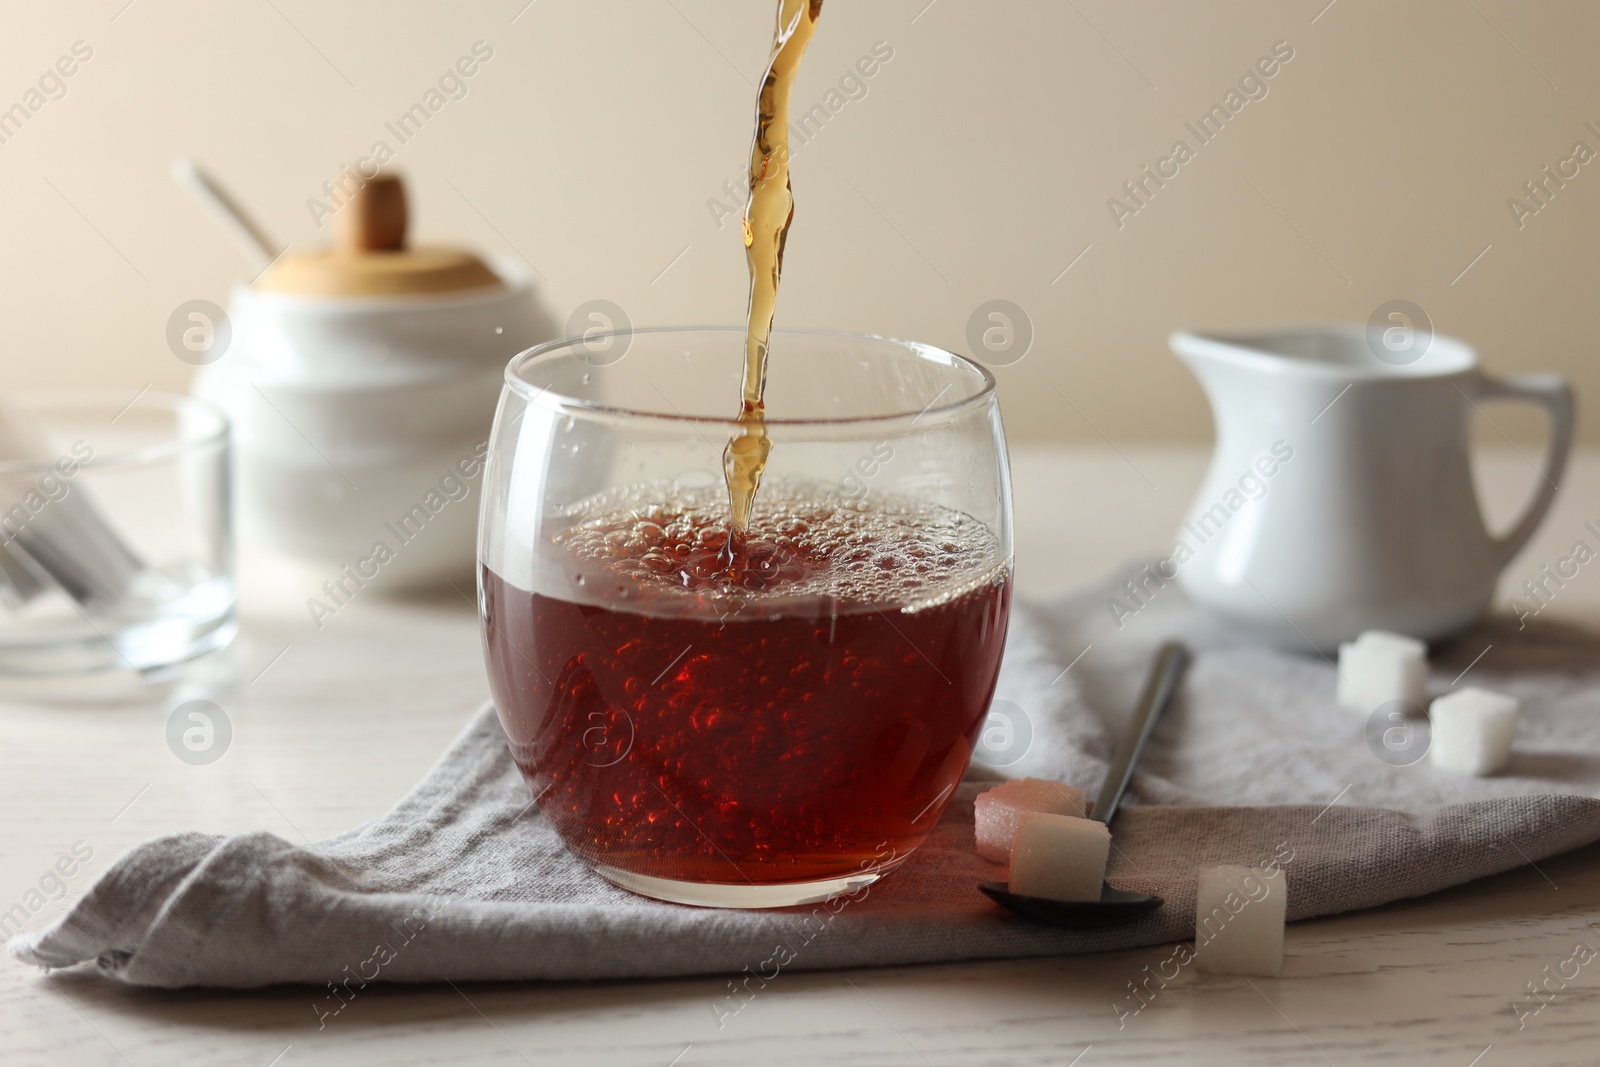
[(332, 726)]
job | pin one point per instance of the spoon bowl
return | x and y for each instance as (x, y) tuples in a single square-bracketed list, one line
[(1115, 906)]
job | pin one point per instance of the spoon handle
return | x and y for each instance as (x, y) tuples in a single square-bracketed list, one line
[(1172, 659), (244, 230)]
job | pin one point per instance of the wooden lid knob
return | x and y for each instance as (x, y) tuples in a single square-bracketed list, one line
[(374, 219), (369, 256)]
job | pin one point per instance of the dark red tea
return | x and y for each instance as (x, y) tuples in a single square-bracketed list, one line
[(797, 713)]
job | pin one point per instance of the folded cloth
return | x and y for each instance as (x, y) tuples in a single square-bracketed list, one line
[(1254, 764)]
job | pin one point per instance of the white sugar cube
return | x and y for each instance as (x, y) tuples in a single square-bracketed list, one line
[(1061, 857), (1472, 730), (1378, 667), (999, 811), (1238, 920)]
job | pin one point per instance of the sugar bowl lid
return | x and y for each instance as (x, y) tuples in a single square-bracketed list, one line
[(369, 256)]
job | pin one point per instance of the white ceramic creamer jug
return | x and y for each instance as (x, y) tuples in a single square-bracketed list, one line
[(1340, 495)]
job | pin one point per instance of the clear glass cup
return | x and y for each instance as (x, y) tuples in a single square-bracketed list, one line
[(757, 727), (116, 548)]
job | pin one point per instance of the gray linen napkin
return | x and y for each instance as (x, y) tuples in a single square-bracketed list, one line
[(463, 880)]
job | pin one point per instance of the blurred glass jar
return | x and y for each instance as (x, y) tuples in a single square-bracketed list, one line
[(116, 550)]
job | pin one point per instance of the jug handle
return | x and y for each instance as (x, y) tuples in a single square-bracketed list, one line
[(1555, 395)]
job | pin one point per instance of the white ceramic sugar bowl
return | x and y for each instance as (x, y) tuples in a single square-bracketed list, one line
[(361, 382)]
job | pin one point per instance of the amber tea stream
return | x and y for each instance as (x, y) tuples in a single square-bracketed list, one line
[(767, 216)]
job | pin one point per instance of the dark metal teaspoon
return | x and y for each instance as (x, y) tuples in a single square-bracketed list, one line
[(1115, 905)]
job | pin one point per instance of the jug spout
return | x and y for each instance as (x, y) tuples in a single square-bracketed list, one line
[(1203, 351), (1283, 356), (1249, 380), (1200, 352)]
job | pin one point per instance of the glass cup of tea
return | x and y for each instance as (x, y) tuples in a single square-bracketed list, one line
[(751, 722)]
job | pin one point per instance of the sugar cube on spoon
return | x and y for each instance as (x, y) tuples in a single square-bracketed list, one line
[(1059, 857), (999, 811)]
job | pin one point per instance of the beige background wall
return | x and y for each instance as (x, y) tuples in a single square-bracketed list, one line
[(978, 165)]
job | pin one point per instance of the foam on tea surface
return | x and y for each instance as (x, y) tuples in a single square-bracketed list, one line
[(629, 545)]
